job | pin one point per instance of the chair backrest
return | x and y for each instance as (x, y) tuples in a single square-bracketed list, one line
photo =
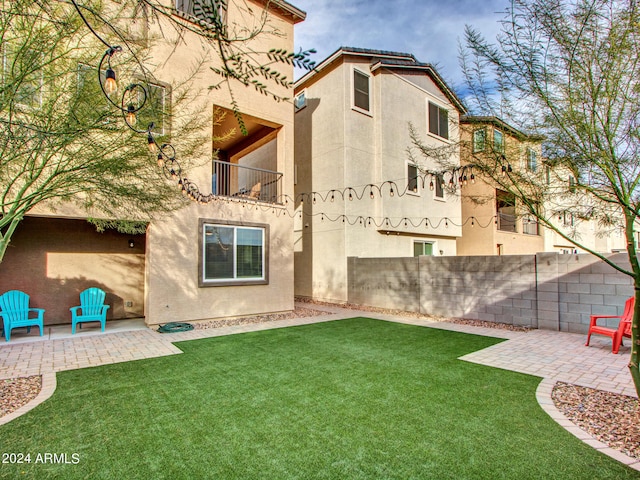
[(15, 304), (92, 300), (624, 327)]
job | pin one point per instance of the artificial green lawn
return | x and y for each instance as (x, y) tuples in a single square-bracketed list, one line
[(350, 399)]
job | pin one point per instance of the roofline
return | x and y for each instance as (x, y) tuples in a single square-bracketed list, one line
[(351, 51), (433, 73), (496, 121), (286, 8)]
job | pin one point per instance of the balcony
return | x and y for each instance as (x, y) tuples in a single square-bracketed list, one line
[(530, 226), (506, 222), (250, 183)]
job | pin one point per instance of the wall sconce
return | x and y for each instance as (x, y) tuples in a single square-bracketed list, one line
[(131, 243)]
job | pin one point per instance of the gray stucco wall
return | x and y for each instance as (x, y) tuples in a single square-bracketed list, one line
[(547, 290)]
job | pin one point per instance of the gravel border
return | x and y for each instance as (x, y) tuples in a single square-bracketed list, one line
[(612, 418), (17, 392), (433, 318)]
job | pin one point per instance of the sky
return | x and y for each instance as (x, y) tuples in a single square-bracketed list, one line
[(429, 29)]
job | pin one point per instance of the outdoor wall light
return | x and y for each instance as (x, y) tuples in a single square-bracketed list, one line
[(131, 243)]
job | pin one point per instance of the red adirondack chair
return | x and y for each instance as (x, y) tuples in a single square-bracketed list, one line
[(616, 334)]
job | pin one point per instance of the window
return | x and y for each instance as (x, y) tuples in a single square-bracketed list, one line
[(90, 103), (210, 11), (233, 254), (300, 101), (361, 90), (155, 110), (498, 141), (438, 121), (479, 140), (422, 248), (547, 171), (567, 219), (530, 225), (505, 211), (572, 183), (439, 191), (532, 160), (22, 70), (412, 178)]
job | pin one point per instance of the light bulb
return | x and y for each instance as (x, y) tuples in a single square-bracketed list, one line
[(153, 147), (131, 115), (110, 84)]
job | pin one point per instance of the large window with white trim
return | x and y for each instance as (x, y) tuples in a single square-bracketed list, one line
[(233, 254)]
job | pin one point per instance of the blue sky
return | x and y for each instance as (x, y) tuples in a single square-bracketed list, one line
[(429, 29)]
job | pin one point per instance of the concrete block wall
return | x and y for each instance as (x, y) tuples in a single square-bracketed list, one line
[(548, 290)]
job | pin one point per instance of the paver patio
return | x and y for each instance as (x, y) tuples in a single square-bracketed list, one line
[(554, 356)]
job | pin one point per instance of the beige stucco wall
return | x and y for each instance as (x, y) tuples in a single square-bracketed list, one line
[(337, 147), (482, 236), (172, 287)]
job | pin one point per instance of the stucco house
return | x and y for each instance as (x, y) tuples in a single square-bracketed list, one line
[(229, 257), (494, 221), (352, 133)]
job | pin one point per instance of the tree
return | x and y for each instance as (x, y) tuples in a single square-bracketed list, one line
[(571, 72), (63, 140)]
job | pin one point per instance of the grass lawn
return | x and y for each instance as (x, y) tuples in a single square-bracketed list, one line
[(351, 399)]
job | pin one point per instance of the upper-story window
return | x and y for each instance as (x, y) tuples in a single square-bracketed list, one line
[(22, 72), (210, 11), (412, 178), (498, 141), (156, 108), (532, 160), (300, 101), (439, 190), (479, 140), (438, 120), (361, 90)]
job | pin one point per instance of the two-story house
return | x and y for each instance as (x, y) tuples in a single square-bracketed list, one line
[(494, 220), (353, 117), (231, 256)]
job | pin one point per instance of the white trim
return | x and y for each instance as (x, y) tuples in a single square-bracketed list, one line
[(449, 125), (352, 84), (296, 108), (418, 191)]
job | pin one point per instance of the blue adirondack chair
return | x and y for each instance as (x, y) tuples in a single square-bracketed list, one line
[(92, 309), (15, 313)]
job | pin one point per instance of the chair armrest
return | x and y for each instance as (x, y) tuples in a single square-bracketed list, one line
[(594, 318), (74, 309), (39, 311)]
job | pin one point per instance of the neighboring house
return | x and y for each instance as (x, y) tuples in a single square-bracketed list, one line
[(352, 130), (494, 223), (230, 257)]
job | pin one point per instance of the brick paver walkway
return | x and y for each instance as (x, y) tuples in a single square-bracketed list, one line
[(554, 356)]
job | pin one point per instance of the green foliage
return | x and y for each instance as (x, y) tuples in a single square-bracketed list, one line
[(351, 399), (131, 227), (60, 139)]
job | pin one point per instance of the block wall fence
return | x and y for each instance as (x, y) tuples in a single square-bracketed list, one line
[(547, 290)]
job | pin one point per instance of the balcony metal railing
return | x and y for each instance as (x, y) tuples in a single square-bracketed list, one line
[(530, 226), (506, 222), (233, 180)]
